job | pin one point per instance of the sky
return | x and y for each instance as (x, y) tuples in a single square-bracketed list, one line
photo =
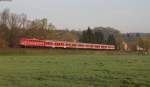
[(124, 15)]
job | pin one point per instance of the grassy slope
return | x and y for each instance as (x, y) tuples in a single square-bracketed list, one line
[(75, 71)]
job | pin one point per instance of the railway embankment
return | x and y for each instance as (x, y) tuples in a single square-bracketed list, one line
[(52, 51)]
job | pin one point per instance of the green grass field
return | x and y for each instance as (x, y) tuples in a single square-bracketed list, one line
[(75, 70)]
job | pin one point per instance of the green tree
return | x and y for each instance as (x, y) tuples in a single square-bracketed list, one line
[(83, 37), (88, 36), (140, 42), (111, 40), (99, 37), (146, 43)]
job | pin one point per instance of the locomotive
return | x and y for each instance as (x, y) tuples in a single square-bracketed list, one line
[(28, 42)]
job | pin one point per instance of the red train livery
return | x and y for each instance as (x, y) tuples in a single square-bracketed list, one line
[(26, 42)]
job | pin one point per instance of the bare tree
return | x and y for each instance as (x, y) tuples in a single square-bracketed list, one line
[(24, 20), (4, 16)]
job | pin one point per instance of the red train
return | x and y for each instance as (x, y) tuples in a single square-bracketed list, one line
[(26, 42)]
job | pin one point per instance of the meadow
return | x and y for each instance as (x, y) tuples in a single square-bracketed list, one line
[(74, 70)]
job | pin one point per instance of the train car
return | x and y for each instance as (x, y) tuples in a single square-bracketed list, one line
[(27, 42), (31, 42)]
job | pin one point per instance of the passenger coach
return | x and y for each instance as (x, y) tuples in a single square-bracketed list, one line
[(27, 42)]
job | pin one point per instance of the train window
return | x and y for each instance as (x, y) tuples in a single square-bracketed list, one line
[(73, 44), (68, 44), (57, 44), (102, 46), (97, 46), (62, 44)]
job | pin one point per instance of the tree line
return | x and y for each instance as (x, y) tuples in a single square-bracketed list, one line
[(15, 26), (92, 36)]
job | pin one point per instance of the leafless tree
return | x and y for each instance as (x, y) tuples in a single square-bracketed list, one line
[(4, 16)]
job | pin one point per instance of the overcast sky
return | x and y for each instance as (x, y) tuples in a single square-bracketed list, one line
[(125, 15)]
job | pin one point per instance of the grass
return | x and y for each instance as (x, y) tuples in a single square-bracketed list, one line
[(74, 70)]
